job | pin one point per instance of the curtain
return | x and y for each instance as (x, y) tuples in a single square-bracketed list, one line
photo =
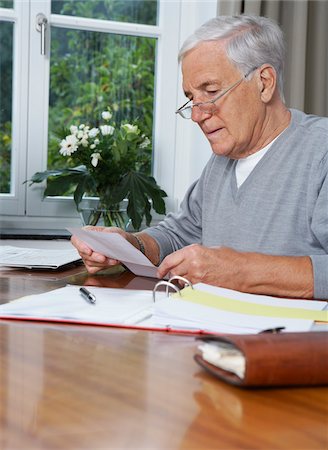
[(304, 23)]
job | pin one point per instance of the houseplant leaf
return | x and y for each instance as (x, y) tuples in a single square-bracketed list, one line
[(139, 190)]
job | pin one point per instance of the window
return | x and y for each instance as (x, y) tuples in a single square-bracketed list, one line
[(94, 56), (6, 78)]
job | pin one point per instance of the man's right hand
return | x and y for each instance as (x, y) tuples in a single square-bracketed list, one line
[(94, 262)]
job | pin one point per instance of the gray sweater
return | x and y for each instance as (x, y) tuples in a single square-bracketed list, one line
[(280, 209)]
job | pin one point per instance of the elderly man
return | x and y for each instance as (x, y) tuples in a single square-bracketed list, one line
[(257, 219)]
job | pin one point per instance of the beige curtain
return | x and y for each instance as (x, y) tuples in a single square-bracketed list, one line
[(305, 26)]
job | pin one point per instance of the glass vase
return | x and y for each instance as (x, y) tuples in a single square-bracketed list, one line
[(100, 216)]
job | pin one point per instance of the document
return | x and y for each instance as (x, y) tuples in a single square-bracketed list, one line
[(135, 308), (252, 304), (66, 304), (213, 308), (113, 245), (37, 258)]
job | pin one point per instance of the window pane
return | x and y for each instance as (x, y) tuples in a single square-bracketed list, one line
[(6, 72), (90, 71), (135, 11), (6, 3)]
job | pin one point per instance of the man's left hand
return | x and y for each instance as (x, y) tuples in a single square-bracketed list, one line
[(256, 273), (218, 266)]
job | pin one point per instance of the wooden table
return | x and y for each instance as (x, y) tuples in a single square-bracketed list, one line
[(79, 387)]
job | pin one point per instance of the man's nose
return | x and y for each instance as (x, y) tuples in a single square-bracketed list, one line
[(197, 115)]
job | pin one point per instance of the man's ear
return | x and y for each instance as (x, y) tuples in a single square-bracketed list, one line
[(267, 83)]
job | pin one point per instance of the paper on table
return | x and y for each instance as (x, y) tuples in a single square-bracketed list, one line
[(123, 307), (113, 245), (37, 258), (181, 313), (113, 306), (213, 308), (254, 305)]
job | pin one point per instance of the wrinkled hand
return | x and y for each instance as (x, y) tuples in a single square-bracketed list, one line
[(218, 266), (257, 273), (94, 262)]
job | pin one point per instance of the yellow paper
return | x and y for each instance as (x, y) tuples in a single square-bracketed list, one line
[(255, 309)]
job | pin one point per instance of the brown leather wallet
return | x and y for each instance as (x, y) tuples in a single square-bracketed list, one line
[(275, 359)]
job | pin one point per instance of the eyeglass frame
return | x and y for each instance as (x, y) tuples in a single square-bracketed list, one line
[(184, 107)]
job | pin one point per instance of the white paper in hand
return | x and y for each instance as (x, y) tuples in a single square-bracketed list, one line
[(113, 245)]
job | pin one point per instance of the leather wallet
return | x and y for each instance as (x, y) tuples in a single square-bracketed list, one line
[(274, 359)]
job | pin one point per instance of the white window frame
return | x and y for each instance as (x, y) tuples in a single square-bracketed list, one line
[(14, 202), (177, 155)]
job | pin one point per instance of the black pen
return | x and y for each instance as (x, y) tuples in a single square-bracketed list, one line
[(273, 330), (87, 295)]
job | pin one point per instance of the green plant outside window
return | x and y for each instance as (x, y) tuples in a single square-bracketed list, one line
[(90, 71), (6, 75), (6, 3), (133, 11)]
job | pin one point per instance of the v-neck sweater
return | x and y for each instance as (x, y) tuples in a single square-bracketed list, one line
[(280, 209)]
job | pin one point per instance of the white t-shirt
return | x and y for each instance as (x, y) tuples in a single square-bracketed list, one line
[(245, 166)]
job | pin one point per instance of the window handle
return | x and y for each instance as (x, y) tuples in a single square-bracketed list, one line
[(41, 25)]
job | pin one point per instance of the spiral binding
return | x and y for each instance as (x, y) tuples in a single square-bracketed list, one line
[(169, 284)]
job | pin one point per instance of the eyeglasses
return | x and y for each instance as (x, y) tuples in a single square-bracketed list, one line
[(208, 107)]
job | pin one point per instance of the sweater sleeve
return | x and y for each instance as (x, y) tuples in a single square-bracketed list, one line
[(320, 273), (319, 227)]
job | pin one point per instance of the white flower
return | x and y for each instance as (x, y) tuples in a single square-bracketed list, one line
[(145, 143), (80, 134), (106, 115), (96, 141), (68, 145), (106, 129), (93, 132), (130, 128), (81, 126), (92, 146), (84, 140), (73, 129), (95, 158)]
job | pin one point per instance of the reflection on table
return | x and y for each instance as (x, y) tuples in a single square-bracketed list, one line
[(83, 387)]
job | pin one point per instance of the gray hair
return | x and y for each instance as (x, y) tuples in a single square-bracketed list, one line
[(251, 42)]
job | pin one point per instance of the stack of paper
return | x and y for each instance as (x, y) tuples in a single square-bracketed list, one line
[(37, 258), (113, 306), (225, 356), (212, 308), (190, 312)]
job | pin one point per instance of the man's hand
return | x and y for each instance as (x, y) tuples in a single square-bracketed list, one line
[(284, 276), (211, 265), (94, 262)]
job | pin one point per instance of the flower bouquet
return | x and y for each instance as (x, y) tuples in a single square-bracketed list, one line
[(112, 162)]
